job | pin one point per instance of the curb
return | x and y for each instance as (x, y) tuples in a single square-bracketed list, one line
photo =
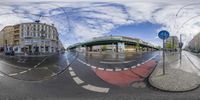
[(150, 82), (164, 90)]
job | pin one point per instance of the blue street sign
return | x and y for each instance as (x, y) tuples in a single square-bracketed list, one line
[(163, 34)]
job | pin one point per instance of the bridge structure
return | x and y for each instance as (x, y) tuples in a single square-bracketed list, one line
[(114, 43)]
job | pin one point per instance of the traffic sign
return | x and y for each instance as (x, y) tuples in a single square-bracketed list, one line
[(163, 34)]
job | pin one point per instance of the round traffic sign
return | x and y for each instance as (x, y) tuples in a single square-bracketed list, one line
[(163, 34)]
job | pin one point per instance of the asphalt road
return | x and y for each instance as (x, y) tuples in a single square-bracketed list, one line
[(80, 76)]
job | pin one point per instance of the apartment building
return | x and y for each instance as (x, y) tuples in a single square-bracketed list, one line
[(31, 38)]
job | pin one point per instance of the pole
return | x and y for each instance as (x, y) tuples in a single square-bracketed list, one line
[(180, 49), (6, 49), (163, 57)]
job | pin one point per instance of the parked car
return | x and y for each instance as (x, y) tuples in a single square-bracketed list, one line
[(10, 53)]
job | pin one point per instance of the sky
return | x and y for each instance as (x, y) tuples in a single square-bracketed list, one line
[(81, 20), (146, 31)]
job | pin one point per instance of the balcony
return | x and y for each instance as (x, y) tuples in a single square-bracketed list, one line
[(16, 31), (16, 42), (16, 36)]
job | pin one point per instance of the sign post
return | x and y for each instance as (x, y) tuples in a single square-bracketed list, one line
[(180, 46), (163, 35)]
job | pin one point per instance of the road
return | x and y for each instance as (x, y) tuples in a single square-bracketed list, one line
[(82, 76)]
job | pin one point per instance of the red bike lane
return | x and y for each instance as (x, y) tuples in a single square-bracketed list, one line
[(125, 78)]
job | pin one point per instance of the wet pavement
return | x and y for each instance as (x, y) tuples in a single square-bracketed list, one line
[(34, 68), (82, 76)]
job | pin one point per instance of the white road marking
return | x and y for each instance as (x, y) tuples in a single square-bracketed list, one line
[(142, 63), (84, 63), (106, 62), (101, 68), (133, 66), (80, 60), (88, 86), (93, 67), (147, 60), (1, 74), (138, 64), (35, 66), (53, 74), (95, 88), (23, 72), (125, 69), (118, 69), (88, 64), (72, 73), (70, 68), (153, 57), (40, 62), (78, 80), (29, 69), (13, 74), (109, 69)]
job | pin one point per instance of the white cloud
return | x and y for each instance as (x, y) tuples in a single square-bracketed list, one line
[(88, 19)]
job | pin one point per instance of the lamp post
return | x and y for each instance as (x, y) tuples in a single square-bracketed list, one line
[(180, 46)]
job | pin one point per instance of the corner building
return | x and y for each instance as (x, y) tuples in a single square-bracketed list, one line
[(32, 38)]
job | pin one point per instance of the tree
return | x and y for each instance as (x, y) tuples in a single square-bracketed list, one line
[(168, 45), (104, 47)]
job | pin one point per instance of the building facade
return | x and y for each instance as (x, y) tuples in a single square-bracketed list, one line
[(7, 38), (194, 44), (31, 38), (172, 43), (113, 43)]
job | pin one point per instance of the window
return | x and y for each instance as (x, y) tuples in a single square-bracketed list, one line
[(34, 34)]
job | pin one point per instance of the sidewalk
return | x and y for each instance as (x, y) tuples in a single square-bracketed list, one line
[(178, 77)]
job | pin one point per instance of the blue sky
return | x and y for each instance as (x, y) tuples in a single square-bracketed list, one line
[(146, 31)]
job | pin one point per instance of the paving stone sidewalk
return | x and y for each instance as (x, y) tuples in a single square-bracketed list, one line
[(179, 77)]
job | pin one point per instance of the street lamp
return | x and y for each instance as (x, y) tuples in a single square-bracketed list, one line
[(183, 7), (180, 46)]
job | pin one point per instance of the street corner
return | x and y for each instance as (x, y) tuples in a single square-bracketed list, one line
[(174, 80), (145, 69)]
